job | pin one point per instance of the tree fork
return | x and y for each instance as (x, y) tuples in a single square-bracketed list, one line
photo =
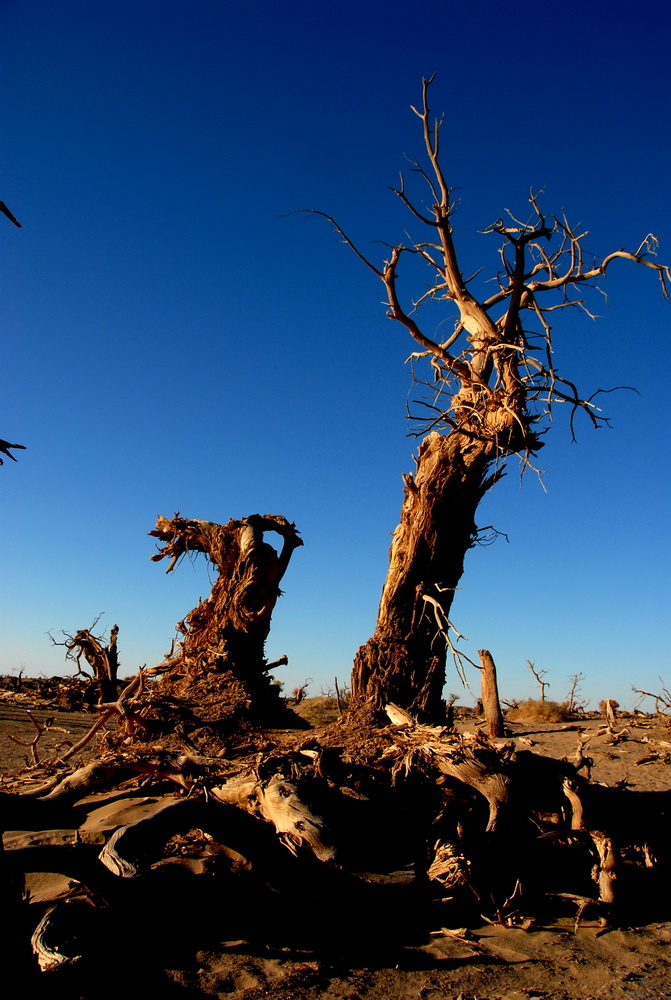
[(491, 389)]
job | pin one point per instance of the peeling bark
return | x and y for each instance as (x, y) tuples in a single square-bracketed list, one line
[(490, 388), (220, 669), (404, 660)]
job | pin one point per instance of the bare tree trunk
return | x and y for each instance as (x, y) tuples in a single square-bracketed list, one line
[(222, 661), (610, 712), (490, 694), (102, 658), (404, 661), (491, 382), (108, 678)]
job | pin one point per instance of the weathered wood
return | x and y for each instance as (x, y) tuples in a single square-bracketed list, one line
[(101, 656), (404, 660), (605, 874), (50, 956), (278, 802), (493, 784), (451, 869), (489, 392), (414, 805), (469, 759), (490, 694), (571, 793), (220, 671)]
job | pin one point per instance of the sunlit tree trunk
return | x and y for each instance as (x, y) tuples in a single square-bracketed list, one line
[(490, 382), (101, 656), (404, 660), (220, 665)]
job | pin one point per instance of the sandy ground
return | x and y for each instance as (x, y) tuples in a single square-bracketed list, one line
[(487, 962)]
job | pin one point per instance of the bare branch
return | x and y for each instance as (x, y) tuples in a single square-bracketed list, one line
[(5, 447), (539, 675), (42, 729), (345, 237), (12, 218)]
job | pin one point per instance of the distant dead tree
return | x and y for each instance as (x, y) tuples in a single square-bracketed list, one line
[(300, 693), (488, 389), (611, 711), (539, 675), (572, 700), (101, 655), (662, 699)]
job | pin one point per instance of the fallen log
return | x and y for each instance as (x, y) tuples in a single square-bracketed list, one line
[(374, 818), (277, 801)]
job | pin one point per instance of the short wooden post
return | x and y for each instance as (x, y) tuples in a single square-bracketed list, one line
[(490, 694)]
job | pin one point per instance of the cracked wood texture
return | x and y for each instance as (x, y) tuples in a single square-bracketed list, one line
[(404, 661), (491, 386), (221, 660)]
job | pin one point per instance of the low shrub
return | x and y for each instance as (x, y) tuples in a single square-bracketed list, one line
[(317, 711), (533, 710)]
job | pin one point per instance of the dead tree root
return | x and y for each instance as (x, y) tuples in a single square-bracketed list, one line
[(317, 841)]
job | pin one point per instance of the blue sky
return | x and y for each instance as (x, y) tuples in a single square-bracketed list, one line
[(176, 340)]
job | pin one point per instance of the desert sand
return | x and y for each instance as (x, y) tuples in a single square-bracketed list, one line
[(546, 959)]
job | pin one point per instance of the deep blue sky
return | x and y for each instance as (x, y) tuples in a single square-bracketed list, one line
[(176, 341)]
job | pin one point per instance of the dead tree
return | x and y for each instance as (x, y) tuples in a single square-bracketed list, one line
[(572, 703), (224, 636), (538, 677), (490, 389), (101, 655), (662, 700)]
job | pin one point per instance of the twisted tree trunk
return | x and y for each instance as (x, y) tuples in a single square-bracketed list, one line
[(404, 660), (103, 658), (221, 666)]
